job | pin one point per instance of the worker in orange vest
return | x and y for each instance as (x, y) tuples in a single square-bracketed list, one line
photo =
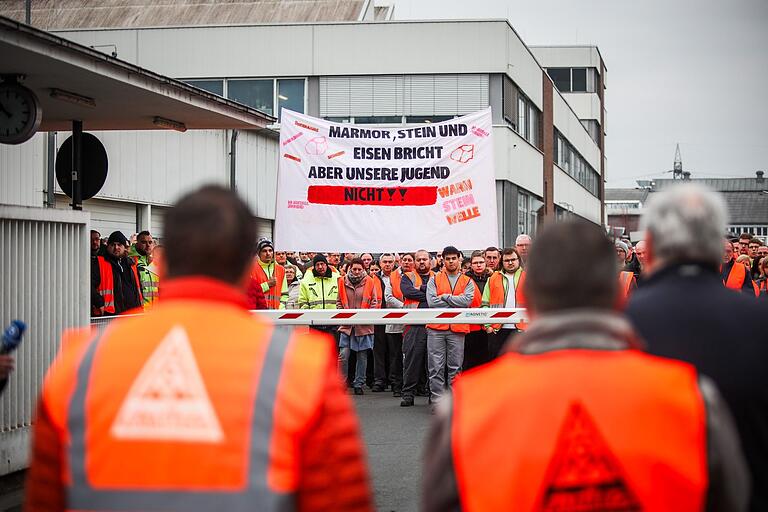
[(413, 285), (269, 275), (574, 416), (449, 288), (735, 276), (211, 408), (115, 279), (504, 290)]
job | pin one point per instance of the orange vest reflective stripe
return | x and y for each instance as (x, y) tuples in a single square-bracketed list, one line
[(498, 295), (274, 293), (443, 285), (106, 286), (645, 451), (142, 441), (368, 293), (417, 282)]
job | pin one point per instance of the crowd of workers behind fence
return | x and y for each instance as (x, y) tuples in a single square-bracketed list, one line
[(408, 360), (634, 383)]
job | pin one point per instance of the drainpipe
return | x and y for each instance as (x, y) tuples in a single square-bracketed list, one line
[(50, 178), (233, 160)]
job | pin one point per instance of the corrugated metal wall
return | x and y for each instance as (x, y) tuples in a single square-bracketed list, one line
[(44, 281)]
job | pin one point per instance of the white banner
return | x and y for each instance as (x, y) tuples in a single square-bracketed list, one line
[(356, 188)]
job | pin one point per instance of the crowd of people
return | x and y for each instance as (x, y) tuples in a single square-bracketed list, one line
[(408, 360), (633, 384)]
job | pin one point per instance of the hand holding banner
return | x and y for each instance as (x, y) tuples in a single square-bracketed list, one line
[(358, 188)]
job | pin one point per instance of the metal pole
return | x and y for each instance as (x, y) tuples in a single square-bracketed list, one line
[(77, 165), (50, 200), (233, 161)]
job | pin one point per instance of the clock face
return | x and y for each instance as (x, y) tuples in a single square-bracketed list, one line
[(20, 113)]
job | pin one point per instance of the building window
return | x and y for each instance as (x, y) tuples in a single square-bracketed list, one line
[(561, 77), (579, 80), (214, 86), (269, 95), (574, 79), (593, 128), (258, 94), (290, 94), (509, 101), (528, 120), (528, 207), (378, 120), (570, 161), (427, 119)]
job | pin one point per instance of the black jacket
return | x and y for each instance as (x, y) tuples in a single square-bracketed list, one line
[(480, 280), (413, 293), (633, 266), (685, 312), (127, 295)]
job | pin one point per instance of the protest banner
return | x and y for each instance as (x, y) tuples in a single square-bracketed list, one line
[(355, 188)]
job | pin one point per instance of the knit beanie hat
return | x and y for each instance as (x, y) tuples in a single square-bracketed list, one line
[(621, 245), (118, 237), (319, 257), (262, 243)]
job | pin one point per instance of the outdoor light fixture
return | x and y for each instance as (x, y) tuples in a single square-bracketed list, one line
[(71, 97), (169, 123)]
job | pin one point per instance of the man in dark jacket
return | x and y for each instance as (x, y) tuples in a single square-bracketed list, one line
[(126, 290), (683, 311), (415, 336)]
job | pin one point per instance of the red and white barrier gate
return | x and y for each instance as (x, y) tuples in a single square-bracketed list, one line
[(394, 316)]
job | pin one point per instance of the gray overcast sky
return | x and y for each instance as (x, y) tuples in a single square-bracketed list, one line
[(687, 71)]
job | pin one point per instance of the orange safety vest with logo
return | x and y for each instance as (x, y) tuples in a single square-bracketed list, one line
[(106, 286), (138, 440), (498, 295), (274, 293), (626, 283), (586, 449), (417, 282), (736, 278), (442, 286), (368, 293)]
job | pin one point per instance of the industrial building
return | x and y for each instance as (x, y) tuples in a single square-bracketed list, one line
[(346, 61)]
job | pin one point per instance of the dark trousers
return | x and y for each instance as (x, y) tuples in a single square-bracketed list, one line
[(395, 347), (497, 341), (475, 349), (414, 352), (380, 356)]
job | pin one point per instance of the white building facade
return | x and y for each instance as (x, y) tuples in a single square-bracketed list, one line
[(549, 144)]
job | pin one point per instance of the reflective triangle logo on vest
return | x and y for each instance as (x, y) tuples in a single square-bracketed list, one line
[(584, 475), (168, 400)]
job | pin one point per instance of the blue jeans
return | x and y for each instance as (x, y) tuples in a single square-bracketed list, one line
[(360, 367)]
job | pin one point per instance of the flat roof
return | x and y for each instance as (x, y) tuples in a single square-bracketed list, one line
[(125, 96)]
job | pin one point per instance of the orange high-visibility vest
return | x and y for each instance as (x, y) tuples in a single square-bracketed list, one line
[(626, 283), (211, 445), (274, 293), (417, 282), (379, 289), (736, 278), (368, 293), (499, 291), (395, 277), (443, 285), (590, 430), (106, 286)]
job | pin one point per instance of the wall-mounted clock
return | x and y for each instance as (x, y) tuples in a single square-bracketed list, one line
[(20, 113)]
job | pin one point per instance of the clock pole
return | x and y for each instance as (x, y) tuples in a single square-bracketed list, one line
[(77, 165)]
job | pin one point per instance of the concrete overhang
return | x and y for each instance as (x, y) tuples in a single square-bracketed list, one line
[(124, 96)]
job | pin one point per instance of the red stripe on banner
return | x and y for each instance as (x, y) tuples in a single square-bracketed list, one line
[(395, 315), (287, 155), (502, 315), (447, 315), (343, 315), (291, 316), (338, 153), (373, 196)]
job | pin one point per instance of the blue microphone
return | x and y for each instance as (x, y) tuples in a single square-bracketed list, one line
[(12, 336)]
